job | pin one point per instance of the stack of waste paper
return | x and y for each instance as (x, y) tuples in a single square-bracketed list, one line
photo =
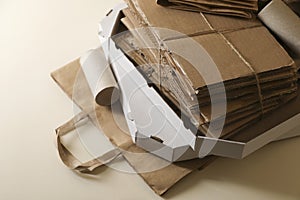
[(190, 81), (255, 81), (237, 8)]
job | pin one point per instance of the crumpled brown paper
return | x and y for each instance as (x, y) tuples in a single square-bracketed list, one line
[(70, 78)]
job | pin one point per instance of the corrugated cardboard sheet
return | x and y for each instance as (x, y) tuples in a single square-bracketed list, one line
[(237, 8), (258, 74)]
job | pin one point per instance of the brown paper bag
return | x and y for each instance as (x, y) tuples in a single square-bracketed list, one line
[(71, 80)]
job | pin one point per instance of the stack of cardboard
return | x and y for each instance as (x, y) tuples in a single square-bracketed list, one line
[(239, 8), (257, 73), (257, 76)]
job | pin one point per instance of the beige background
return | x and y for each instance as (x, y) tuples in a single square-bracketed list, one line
[(37, 37)]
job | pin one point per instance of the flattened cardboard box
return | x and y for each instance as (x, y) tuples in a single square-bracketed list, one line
[(243, 50), (237, 8)]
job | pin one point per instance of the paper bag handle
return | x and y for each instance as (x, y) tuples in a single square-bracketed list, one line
[(69, 159)]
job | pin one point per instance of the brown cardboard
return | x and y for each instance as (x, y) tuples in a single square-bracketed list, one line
[(232, 105), (237, 8), (270, 120), (256, 70)]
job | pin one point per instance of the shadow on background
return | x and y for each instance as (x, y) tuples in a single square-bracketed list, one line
[(273, 170)]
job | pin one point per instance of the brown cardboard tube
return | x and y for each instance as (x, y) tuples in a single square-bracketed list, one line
[(278, 17)]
